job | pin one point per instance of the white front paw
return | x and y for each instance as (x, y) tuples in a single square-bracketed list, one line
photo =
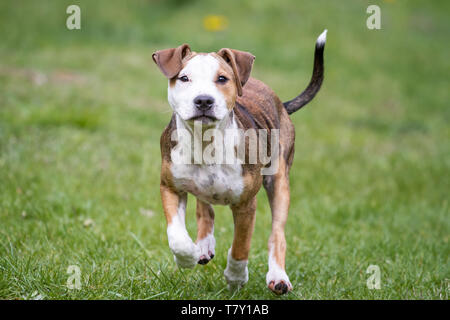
[(186, 252), (236, 273)]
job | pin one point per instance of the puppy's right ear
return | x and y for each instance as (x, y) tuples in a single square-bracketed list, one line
[(169, 61)]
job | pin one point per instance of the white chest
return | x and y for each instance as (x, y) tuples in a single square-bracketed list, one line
[(215, 184)]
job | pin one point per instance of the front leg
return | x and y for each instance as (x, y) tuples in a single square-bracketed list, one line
[(185, 251), (236, 272)]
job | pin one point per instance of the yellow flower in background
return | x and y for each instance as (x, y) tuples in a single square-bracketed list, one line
[(215, 23)]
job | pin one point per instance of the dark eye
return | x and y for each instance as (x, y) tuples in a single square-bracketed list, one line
[(183, 78), (222, 79)]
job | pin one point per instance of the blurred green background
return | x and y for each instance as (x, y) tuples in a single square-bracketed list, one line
[(81, 113)]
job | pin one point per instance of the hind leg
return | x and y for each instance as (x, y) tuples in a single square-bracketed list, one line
[(205, 231), (277, 187)]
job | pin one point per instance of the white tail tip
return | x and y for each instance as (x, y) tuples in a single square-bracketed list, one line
[(322, 38)]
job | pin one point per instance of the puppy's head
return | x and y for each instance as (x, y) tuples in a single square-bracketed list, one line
[(204, 86)]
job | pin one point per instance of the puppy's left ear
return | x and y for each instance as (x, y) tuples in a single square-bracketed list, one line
[(241, 62), (169, 61)]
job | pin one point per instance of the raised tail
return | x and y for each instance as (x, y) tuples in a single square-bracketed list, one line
[(316, 80)]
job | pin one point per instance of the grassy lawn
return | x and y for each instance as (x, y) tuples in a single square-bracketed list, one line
[(81, 113)]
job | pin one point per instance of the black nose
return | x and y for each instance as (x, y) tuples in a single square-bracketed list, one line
[(204, 102)]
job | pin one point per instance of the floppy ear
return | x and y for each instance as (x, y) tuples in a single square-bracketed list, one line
[(241, 62), (169, 61)]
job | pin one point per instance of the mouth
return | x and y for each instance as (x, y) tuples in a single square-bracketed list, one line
[(204, 118)]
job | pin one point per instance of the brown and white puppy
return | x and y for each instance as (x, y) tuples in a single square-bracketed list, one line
[(216, 91)]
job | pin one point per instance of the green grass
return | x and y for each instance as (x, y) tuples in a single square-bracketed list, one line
[(81, 113)]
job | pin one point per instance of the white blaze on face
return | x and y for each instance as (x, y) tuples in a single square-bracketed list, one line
[(202, 73)]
